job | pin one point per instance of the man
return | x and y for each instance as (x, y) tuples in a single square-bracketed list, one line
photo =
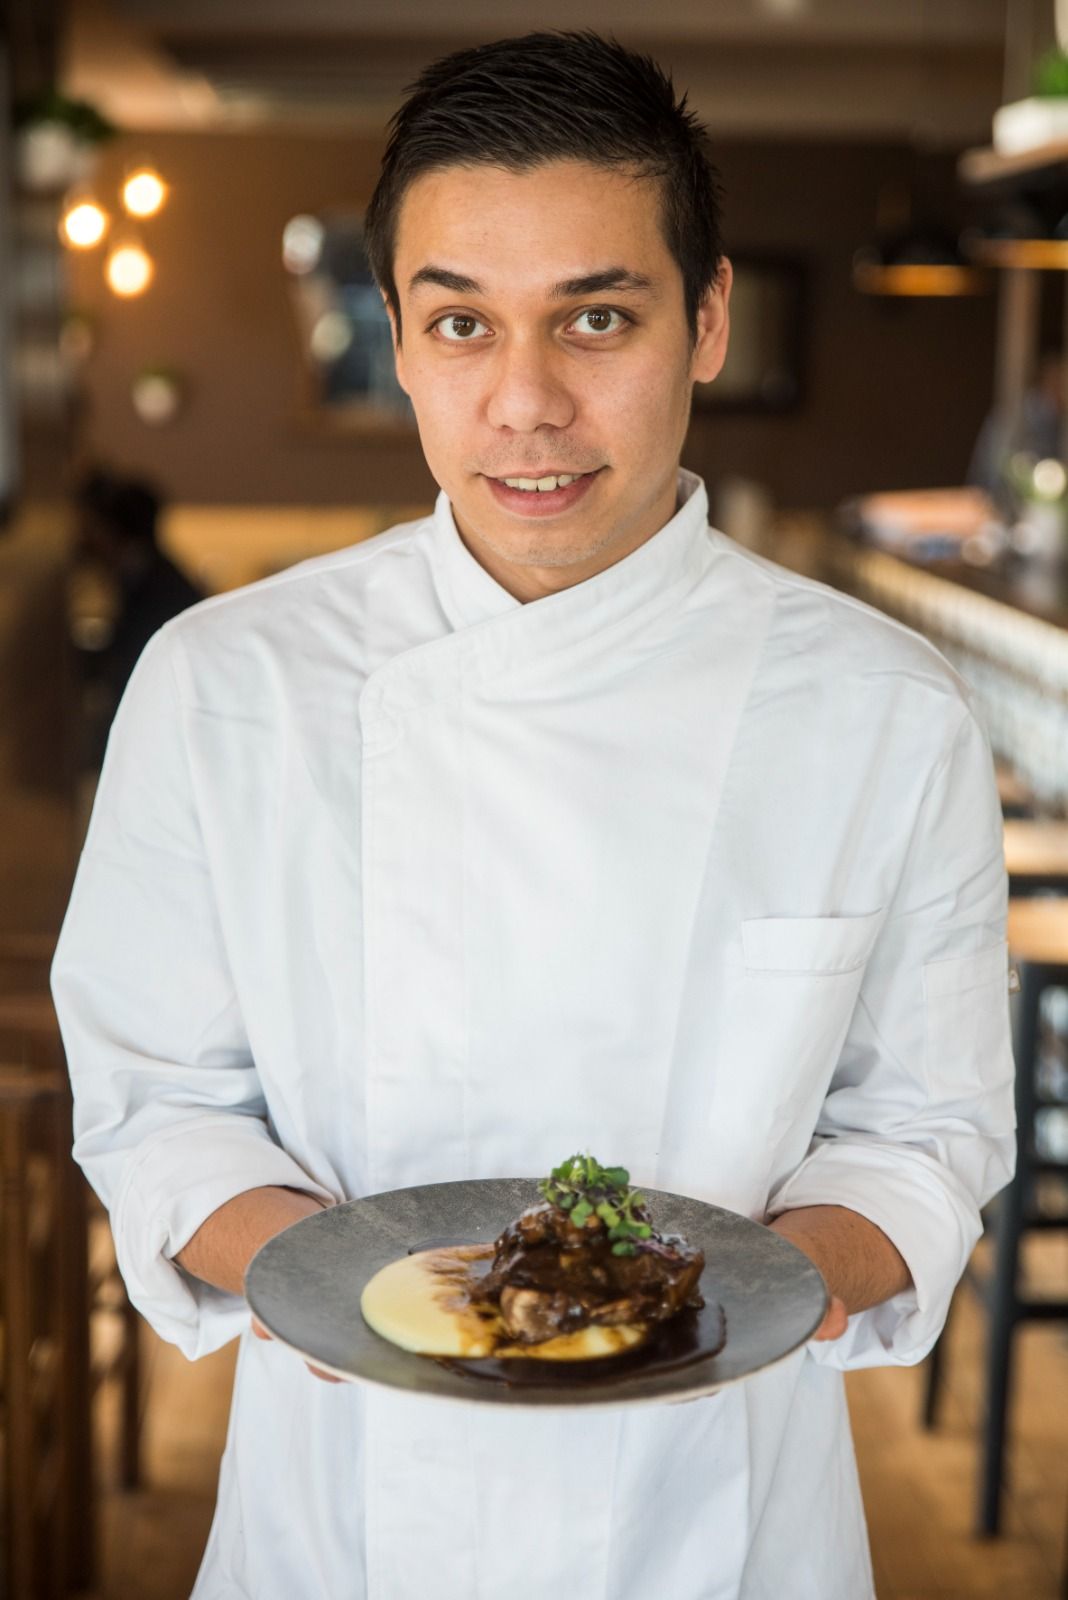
[(554, 820)]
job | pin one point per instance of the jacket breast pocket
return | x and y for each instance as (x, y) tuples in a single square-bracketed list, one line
[(785, 1010), (790, 1007)]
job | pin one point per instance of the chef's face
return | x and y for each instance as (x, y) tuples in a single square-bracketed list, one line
[(544, 333)]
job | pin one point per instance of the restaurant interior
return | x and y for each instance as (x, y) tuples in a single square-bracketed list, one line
[(196, 392)]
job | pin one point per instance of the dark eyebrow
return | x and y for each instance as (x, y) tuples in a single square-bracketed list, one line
[(597, 282), (568, 289), (443, 279)]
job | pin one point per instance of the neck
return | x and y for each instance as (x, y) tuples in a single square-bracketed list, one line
[(526, 581)]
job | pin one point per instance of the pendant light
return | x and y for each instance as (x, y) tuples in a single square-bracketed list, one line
[(908, 260)]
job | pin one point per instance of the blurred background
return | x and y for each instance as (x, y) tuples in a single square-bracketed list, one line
[(196, 390)]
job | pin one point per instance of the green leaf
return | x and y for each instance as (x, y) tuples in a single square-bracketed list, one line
[(1050, 75), (581, 1212), (618, 1177), (566, 1201), (624, 1248), (608, 1213)]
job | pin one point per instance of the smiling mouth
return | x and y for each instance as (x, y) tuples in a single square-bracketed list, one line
[(545, 483)]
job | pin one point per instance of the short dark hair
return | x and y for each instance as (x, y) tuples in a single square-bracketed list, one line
[(520, 102)]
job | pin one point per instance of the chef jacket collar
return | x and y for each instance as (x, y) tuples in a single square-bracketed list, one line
[(494, 634), (470, 595)]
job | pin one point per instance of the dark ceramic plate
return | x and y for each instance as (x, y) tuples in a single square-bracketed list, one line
[(763, 1299)]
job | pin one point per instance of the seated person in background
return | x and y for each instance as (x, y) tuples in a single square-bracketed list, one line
[(117, 521)]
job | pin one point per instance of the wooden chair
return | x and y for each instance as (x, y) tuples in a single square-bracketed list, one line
[(29, 1032), (25, 962), (48, 1542)]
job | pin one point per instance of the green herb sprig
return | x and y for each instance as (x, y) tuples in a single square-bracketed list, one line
[(583, 1188)]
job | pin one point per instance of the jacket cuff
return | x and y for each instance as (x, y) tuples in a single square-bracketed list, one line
[(175, 1180), (923, 1210)]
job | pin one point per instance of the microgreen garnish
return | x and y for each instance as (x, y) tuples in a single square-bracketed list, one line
[(583, 1188)]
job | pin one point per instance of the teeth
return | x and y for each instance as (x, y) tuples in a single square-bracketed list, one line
[(543, 485)]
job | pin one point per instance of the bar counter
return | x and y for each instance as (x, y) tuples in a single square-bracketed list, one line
[(1005, 629)]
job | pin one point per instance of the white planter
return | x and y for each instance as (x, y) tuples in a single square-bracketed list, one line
[(49, 158), (1029, 124)]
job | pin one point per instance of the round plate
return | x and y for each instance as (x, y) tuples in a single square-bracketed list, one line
[(304, 1285)]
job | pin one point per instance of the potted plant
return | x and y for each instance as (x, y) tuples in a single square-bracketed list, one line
[(56, 141)]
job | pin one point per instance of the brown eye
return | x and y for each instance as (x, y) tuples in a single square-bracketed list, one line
[(459, 327), (599, 319)]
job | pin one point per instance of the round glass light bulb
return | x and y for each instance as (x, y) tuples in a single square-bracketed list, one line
[(331, 336), (129, 270), (1049, 478), (144, 192), (302, 244), (84, 225)]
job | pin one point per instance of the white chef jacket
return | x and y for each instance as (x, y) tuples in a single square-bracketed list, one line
[(391, 879)]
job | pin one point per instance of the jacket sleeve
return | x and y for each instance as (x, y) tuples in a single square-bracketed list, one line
[(169, 1116), (917, 1130)]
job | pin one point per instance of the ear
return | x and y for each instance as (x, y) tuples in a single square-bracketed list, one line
[(713, 327), (398, 352)]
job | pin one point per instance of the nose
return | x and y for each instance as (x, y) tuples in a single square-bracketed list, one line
[(528, 389)]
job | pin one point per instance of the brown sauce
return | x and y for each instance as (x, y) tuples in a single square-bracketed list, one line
[(694, 1334), (689, 1337)]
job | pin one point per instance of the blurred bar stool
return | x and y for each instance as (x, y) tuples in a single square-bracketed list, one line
[(1038, 942), (1036, 857), (1036, 860), (48, 1503)]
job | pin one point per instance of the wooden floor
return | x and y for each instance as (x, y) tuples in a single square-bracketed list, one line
[(919, 1488)]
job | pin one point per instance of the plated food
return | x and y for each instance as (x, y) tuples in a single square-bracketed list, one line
[(579, 1277), (763, 1299)]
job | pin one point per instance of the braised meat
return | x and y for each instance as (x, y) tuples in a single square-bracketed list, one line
[(551, 1276)]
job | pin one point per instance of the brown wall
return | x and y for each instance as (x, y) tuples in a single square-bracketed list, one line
[(895, 392), (896, 389)]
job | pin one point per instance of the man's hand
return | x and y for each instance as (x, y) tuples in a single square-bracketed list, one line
[(223, 1246), (856, 1260), (834, 1323)]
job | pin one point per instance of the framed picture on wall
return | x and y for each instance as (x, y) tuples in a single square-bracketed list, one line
[(342, 327), (764, 366)]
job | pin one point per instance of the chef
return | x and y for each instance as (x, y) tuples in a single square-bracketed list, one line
[(553, 820)]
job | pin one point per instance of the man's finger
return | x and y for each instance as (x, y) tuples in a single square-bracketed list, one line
[(835, 1322), (326, 1377)]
